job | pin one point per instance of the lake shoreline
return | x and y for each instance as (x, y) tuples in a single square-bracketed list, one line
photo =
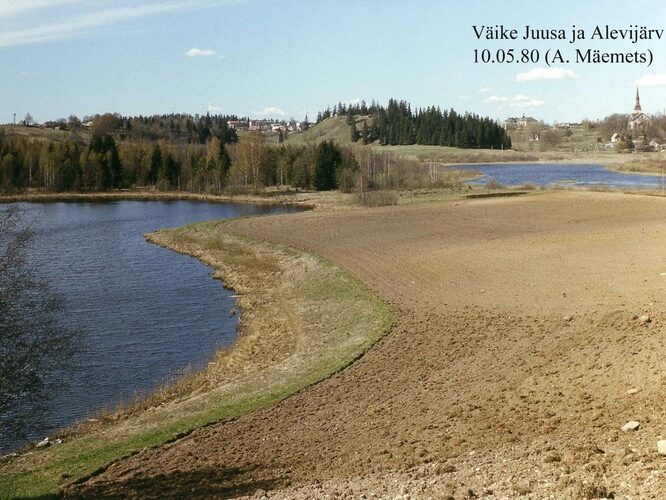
[(547, 175), (94, 255), (615, 164), (258, 370), (293, 198)]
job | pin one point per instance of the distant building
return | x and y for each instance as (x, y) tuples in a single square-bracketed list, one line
[(510, 123), (638, 119), (515, 122), (574, 127), (251, 125), (526, 120), (260, 125), (239, 124)]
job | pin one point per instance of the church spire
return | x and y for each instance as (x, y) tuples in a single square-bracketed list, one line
[(638, 101)]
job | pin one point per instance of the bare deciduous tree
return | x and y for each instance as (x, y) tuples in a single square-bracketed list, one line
[(35, 348)]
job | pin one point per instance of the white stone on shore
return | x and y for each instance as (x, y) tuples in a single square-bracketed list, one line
[(632, 425), (645, 319), (43, 443), (632, 391), (661, 446)]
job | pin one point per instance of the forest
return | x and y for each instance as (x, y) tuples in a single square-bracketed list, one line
[(117, 160), (202, 154), (397, 124)]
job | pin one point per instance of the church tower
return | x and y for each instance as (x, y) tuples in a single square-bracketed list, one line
[(637, 107), (638, 119)]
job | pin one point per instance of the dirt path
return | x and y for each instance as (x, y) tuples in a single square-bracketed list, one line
[(482, 387)]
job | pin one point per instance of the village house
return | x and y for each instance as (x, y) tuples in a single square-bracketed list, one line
[(656, 145), (515, 122), (260, 125), (239, 124), (574, 127)]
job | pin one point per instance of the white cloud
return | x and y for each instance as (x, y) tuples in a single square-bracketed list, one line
[(214, 110), (652, 80), (464, 97), (517, 101), (9, 8), (270, 111), (34, 21), (538, 74), (79, 24), (484, 90), (194, 52)]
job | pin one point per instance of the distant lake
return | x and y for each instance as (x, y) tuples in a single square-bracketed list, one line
[(544, 174), (149, 312)]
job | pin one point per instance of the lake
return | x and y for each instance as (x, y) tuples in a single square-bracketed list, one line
[(149, 313), (544, 174)]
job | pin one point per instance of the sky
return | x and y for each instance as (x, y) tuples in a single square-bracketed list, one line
[(288, 58)]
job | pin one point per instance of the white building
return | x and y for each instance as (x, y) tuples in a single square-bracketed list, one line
[(638, 119)]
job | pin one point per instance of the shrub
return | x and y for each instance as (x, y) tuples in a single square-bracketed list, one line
[(378, 198), (492, 185), (239, 189)]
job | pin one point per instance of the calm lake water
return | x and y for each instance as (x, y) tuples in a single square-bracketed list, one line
[(512, 174), (149, 313)]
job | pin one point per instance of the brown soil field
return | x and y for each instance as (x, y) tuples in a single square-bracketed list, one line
[(517, 335)]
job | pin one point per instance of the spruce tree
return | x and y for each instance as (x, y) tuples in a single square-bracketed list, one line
[(155, 164), (355, 134), (328, 158)]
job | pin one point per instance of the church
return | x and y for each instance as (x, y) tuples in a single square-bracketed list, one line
[(638, 119)]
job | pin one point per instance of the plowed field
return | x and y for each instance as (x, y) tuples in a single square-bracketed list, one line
[(517, 335)]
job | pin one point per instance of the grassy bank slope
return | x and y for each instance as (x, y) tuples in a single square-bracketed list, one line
[(303, 319), (338, 130), (334, 128)]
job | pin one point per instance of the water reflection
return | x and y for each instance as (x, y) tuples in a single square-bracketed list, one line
[(544, 174), (149, 313)]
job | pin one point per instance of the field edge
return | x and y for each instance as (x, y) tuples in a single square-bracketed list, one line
[(219, 393)]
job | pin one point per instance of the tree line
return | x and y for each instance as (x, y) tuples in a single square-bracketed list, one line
[(247, 165), (398, 124), (202, 154), (108, 162), (177, 127)]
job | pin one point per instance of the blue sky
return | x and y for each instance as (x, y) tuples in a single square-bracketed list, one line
[(290, 57)]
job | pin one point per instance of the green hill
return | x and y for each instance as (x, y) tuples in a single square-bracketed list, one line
[(334, 128)]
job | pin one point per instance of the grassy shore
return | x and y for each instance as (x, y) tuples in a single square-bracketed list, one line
[(315, 200), (285, 296), (272, 196)]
